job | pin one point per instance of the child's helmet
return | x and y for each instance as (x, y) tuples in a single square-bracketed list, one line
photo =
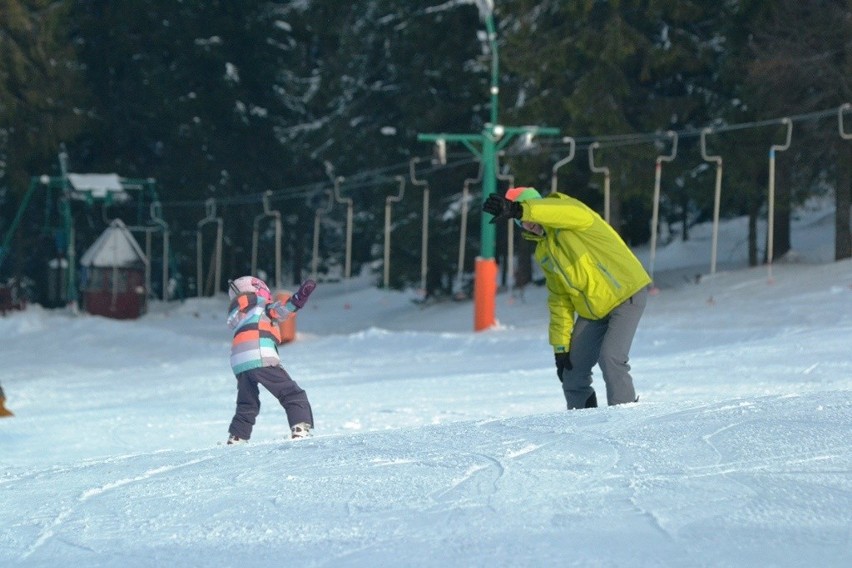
[(248, 285)]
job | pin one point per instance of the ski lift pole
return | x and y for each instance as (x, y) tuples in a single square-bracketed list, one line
[(491, 139), (267, 212), (463, 228), (347, 266), (601, 170), (388, 200), (210, 217), (717, 197), (770, 220), (841, 215), (424, 239), (317, 219), (840, 110), (156, 214), (562, 162), (658, 172)]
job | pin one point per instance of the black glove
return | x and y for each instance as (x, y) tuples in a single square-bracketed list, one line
[(563, 363), (502, 208)]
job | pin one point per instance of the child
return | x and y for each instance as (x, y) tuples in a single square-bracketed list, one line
[(253, 315)]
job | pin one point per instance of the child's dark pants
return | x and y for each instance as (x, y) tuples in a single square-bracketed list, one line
[(276, 381)]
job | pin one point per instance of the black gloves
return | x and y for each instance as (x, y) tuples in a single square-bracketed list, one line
[(563, 363), (502, 208)]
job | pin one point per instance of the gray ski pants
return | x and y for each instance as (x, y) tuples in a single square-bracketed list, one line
[(605, 342), (278, 382)]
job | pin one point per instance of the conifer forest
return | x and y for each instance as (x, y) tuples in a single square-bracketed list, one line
[(308, 130)]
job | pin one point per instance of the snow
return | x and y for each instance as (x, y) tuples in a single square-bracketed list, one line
[(115, 247), (98, 186), (438, 446)]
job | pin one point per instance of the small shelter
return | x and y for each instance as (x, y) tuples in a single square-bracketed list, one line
[(113, 275), (98, 187)]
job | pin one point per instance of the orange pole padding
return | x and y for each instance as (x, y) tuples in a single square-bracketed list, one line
[(286, 328), (484, 294), (4, 412)]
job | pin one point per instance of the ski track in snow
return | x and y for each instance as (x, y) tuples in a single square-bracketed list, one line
[(440, 448), (48, 532)]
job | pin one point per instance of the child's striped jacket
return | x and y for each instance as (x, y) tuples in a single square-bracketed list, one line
[(256, 333)]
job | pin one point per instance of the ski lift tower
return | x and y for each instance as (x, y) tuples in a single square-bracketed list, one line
[(485, 146), (107, 189)]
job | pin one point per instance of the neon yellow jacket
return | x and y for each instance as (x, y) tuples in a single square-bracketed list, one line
[(588, 269)]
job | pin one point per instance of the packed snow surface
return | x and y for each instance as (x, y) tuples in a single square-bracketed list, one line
[(436, 445)]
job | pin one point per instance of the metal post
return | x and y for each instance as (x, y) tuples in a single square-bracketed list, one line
[(156, 214), (147, 261), (562, 162), (841, 242), (347, 266), (210, 217), (770, 221), (69, 228), (424, 239), (388, 200), (485, 270), (840, 110), (601, 170), (717, 197), (488, 232), (492, 138), (658, 171), (267, 212)]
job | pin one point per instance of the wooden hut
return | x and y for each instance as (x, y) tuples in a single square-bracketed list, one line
[(113, 275)]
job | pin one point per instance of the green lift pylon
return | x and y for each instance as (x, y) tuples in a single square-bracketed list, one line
[(485, 146)]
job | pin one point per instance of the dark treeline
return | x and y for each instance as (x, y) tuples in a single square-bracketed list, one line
[(230, 100)]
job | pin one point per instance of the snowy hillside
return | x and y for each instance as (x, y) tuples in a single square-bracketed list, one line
[(437, 446)]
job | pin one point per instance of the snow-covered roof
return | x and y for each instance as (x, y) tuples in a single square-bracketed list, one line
[(97, 186), (114, 247)]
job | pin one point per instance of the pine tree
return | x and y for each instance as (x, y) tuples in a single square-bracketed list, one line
[(802, 61), (41, 89)]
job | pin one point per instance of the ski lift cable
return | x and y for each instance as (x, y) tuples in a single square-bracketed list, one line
[(365, 179)]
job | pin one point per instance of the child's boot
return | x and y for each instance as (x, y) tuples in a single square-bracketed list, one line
[(300, 430), (235, 440)]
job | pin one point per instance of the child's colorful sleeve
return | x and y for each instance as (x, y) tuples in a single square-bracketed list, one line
[(239, 308), (279, 311)]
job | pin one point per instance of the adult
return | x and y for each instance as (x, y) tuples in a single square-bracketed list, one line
[(597, 290)]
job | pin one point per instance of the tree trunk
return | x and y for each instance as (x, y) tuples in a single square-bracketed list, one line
[(783, 199), (523, 266), (843, 202), (615, 217), (752, 235)]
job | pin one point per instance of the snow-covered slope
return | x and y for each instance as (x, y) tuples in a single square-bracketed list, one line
[(435, 445)]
